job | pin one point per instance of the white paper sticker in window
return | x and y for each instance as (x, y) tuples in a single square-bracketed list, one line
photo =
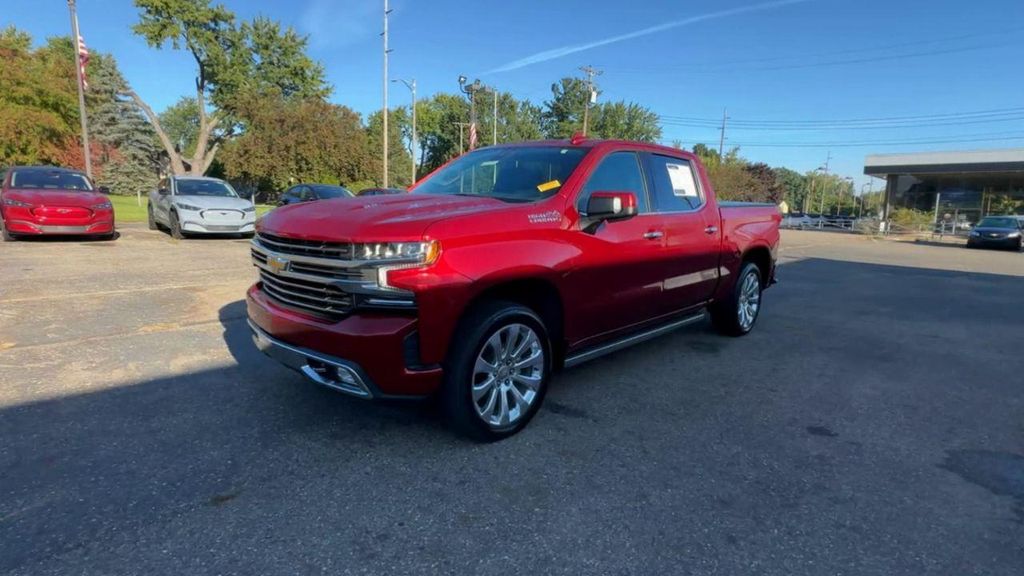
[(682, 180)]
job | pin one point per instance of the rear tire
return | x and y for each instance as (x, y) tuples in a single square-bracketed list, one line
[(497, 373), (176, 232), (151, 220), (737, 314)]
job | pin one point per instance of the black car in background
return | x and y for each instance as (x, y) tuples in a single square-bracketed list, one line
[(311, 192), (380, 191), (998, 232)]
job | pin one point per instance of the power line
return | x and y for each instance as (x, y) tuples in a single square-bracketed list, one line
[(743, 127), (951, 115), (981, 137)]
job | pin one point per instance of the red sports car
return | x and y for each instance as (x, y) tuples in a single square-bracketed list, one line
[(46, 200)]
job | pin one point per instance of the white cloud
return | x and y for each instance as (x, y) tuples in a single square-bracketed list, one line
[(574, 48)]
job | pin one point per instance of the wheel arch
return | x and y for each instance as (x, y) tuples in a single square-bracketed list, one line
[(761, 256), (536, 293)]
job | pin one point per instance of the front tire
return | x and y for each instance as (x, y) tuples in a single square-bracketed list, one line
[(176, 232), (736, 315), (497, 373)]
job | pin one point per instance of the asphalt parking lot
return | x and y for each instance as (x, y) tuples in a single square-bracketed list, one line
[(872, 424)]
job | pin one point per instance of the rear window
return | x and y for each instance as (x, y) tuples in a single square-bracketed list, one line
[(49, 179)]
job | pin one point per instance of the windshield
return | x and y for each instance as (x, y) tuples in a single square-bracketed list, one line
[(513, 174), (189, 187), (53, 179), (325, 192), (998, 223)]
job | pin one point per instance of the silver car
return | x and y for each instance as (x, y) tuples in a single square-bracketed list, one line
[(187, 205)]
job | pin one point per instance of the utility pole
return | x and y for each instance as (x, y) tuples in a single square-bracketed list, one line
[(461, 125), (384, 109), (77, 48), (470, 90), (495, 94), (590, 71), (821, 210), (721, 137), (411, 85)]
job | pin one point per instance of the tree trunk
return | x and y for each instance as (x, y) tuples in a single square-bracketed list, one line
[(177, 166)]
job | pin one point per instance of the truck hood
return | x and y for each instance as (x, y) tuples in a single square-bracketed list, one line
[(391, 218), (213, 202), (55, 197)]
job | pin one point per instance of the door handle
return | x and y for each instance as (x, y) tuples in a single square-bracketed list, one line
[(711, 230), (653, 234)]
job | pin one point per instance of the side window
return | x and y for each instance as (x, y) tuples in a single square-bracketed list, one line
[(675, 184), (617, 172)]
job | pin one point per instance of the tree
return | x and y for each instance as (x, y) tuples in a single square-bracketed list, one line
[(289, 140), (181, 123), (563, 114), (708, 156), (794, 187), (233, 62), (38, 112), (438, 119), (625, 121), (399, 159)]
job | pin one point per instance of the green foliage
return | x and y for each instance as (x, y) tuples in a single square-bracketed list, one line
[(910, 220), (624, 121), (399, 159), (234, 62), (181, 123), (288, 141), (563, 114), (437, 120)]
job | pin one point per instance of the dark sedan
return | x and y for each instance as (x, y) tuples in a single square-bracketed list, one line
[(998, 232), (311, 192), (380, 191)]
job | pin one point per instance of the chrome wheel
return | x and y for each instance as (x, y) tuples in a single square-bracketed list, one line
[(507, 375), (749, 301)]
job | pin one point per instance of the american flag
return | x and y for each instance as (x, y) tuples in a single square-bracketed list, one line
[(472, 136), (83, 59)]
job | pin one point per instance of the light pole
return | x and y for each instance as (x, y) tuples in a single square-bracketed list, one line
[(384, 108), (411, 85), (470, 90)]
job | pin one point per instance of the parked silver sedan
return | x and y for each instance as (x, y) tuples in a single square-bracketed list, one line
[(187, 205)]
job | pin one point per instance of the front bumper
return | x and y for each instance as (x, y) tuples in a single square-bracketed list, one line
[(24, 227), (205, 227), (364, 355), (993, 242)]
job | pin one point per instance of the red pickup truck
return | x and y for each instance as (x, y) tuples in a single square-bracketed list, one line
[(502, 267)]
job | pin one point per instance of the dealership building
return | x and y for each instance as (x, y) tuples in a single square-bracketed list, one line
[(963, 185)]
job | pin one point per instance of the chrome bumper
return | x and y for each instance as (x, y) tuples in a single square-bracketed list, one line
[(335, 373)]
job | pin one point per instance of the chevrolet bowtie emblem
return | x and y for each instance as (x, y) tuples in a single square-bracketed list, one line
[(277, 264)]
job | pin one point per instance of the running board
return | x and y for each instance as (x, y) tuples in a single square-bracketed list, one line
[(630, 340)]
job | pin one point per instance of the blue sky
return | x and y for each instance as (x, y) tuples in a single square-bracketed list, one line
[(770, 63)]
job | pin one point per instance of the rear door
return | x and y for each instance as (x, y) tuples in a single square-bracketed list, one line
[(692, 236), (617, 280)]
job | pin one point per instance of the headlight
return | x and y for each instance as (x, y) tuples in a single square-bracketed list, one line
[(416, 252), (189, 207), (103, 206), (249, 209), (13, 202), (1013, 235)]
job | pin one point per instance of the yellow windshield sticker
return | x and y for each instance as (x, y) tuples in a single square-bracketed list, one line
[(549, 185)]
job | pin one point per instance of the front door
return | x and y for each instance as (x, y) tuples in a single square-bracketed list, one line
[(617, 280)]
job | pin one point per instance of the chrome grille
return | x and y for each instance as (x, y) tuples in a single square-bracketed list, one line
[(311, 296), (312, 248)]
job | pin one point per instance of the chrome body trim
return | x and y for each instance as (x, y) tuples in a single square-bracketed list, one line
[(608, 348), (335, 373)]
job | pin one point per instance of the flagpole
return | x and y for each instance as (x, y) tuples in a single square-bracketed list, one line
[(81, 93)]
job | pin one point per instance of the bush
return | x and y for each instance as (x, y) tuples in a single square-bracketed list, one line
[(910, 220)]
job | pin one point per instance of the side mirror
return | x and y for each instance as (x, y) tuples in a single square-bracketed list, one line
[(163, 191), (611, 206), (104, 190)]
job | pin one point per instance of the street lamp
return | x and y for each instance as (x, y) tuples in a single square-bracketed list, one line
[(411, 85)]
